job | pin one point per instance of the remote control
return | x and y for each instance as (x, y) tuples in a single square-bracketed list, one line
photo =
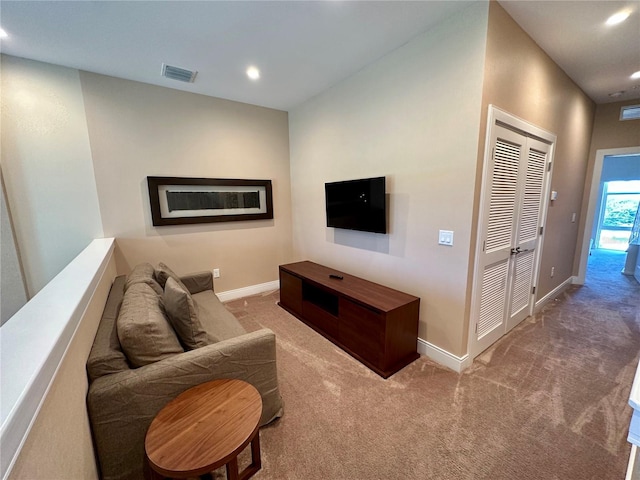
[(338, 277)]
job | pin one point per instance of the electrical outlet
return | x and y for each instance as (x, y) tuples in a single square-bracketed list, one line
[(553, 271), (216, 273), (573, 217)]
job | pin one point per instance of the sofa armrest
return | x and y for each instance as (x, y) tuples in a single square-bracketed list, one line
[(198, 282), (122, 405)]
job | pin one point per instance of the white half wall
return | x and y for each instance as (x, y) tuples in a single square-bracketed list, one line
[(414, 117), (45, 430)]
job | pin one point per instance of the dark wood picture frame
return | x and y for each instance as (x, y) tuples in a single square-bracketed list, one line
[(259, 193)]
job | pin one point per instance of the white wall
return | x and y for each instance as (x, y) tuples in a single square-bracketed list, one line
[(47, 167), (413, 116), (616, 167), (13, 293)]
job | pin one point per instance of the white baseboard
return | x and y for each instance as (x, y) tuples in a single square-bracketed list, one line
[(248, 291), (443, 357), (435, 353), (553, 293), (631, 464)]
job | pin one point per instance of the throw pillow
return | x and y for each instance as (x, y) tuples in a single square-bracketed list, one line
[(143, 273), (183, 316), (144, 333), (163, 272)]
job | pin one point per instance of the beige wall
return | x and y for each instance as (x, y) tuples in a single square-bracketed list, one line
[(522, 80), (139, 130), (59, 445), (46, 163), (413, 116), (608, 133)]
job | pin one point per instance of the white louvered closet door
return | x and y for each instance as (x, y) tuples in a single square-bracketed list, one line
[(500, 219), (515, 183), (527, 232)]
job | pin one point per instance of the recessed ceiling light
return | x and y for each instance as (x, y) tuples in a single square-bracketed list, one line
[(253, 73), (619, 17), (635, 75), (3, 34)]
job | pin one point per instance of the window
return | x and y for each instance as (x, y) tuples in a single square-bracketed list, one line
[(617, 212), (630, 112)]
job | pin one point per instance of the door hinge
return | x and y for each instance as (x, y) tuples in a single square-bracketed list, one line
[(533, 290), (541, 230), (476, 328), (549, 167), (484, 245)]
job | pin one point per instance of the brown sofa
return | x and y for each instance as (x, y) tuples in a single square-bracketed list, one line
[(138, 362)]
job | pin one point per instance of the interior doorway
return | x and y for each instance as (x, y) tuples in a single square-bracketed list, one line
[(607, 230)]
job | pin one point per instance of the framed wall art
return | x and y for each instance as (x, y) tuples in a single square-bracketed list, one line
[(181, 200)]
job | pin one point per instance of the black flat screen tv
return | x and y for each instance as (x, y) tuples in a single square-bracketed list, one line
[(357, 205)]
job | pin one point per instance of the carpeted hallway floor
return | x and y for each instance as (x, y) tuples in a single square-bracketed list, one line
[(548, 401)]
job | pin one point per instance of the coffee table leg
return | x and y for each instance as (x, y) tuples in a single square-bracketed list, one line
[(256, 461), (232, 469)]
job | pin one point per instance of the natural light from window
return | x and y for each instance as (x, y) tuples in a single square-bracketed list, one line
[(617, 212)]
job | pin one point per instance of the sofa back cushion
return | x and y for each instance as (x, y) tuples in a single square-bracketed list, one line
[(143, 273), (183, 316), (163, 272), (144, 333), (106, 355)]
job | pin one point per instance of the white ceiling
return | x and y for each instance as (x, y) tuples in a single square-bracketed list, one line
[(301, 47), (599, 58)]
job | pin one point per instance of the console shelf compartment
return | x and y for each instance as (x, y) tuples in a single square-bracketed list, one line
[(375, 324)]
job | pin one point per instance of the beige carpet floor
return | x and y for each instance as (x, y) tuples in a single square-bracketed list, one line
[(548, 401)]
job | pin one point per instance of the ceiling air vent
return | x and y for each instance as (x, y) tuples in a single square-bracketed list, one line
[(177, 73), (630, 112)]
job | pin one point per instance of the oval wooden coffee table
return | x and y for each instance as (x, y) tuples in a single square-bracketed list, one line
[(205, 428)]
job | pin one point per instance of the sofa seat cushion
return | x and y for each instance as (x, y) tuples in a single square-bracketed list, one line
[(144, 333), (183, 316), (143, 273), (106, 356), (219, 323)]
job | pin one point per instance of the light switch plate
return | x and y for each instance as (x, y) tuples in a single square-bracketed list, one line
[(445, 237)]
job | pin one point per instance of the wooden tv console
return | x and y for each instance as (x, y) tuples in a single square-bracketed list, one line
[(375, 324)]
